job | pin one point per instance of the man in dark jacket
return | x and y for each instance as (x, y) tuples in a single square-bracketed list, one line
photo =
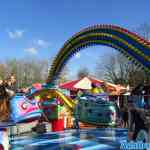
[(136, 120)]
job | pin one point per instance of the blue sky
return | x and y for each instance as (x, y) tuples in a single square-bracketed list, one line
[(40, 27)]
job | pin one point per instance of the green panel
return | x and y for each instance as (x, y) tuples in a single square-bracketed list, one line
[(96, 113), (53, 111)]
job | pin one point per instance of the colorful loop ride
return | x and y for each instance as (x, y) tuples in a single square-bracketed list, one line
[(129, 44)]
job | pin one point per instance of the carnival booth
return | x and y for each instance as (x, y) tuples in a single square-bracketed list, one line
[(94, 99), (88, 84)]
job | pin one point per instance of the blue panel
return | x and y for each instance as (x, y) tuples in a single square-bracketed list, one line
[(22, 110)]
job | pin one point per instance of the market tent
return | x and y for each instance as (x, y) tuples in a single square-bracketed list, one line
[(86, 83), (115, 89)]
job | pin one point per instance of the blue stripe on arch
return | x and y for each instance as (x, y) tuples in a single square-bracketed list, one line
[(121, 35)]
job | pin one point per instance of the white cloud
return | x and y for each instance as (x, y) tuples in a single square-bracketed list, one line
[(32, 50), (78, 55), (41, 43), (15, 34)]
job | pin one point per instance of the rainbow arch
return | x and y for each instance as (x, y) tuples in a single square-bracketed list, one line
[(134, 47)]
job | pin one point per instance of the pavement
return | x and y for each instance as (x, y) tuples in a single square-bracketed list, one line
[(82, 139)]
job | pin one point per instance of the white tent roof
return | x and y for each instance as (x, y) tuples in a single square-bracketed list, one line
[(85, 83)]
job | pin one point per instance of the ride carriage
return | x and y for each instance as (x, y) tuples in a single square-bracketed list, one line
[(13, 111)]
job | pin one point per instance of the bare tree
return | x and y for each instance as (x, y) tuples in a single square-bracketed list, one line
[(119, 70), (83, 72), (3, 71), (26, 70), (64, 75)]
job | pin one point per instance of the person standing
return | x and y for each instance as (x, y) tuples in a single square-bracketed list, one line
[(125, 117), (4, 104), (76, 117), (10, 83), (136, 121)]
